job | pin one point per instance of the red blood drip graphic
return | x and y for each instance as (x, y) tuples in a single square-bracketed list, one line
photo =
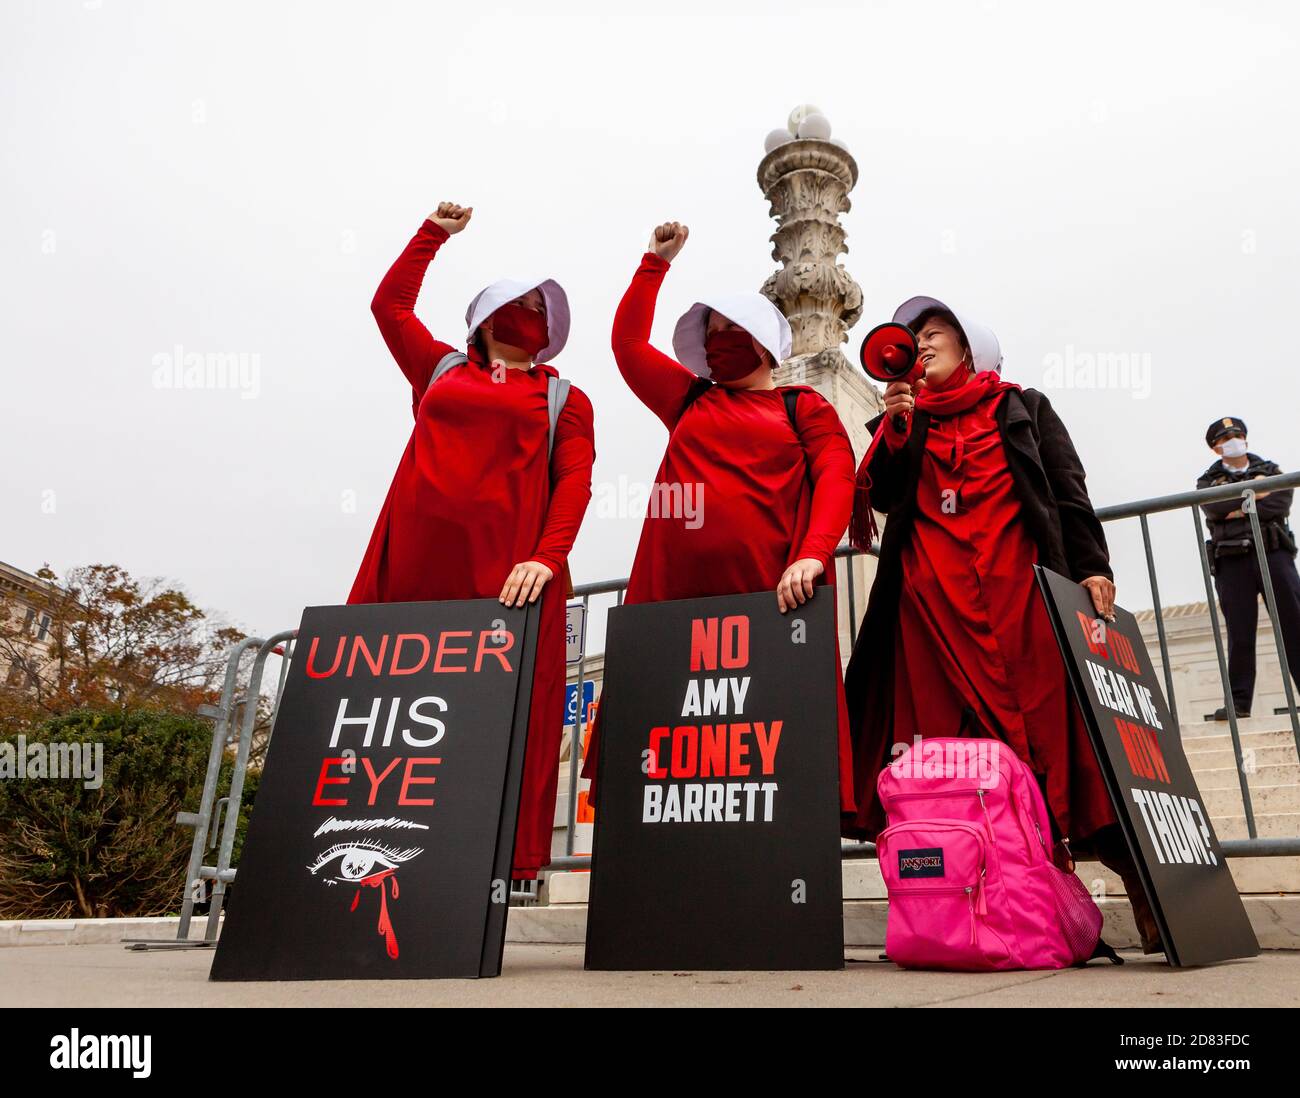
[(376, 880)]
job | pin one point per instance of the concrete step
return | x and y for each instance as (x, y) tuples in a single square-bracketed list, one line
[(162, 928), (1273, 799), (1225, 777), (1276, 920), (1255, 741), (1220, 757), (862, 880), (1268, 825), (1252, 875), (1193, 730)]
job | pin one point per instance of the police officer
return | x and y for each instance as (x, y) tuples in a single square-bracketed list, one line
[(1235, 564)]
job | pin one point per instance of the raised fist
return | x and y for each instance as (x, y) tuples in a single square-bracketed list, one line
[(450, 217), (668, 239)]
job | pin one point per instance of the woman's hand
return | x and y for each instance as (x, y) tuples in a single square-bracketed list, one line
[(798, 583), (668, 239), (900, 398), (525, 583), (1102, 591), (451, 218)]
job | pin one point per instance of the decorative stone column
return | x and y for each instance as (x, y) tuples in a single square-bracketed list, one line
[(806, 176)]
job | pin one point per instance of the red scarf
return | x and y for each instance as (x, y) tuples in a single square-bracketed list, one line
[(946, 399)]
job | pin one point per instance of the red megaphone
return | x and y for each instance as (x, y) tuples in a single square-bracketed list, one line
[(889, 354)]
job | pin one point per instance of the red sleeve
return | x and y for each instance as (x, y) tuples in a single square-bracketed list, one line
[(830, 468), (894, 437), (571, 461), (415, 350), (661, 383)]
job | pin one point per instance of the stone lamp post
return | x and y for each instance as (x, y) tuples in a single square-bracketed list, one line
[(806, 176)]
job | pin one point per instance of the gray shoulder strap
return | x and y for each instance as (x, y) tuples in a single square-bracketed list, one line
[(447, 362), (557, 392)]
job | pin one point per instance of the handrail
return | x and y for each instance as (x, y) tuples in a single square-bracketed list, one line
[(1254, 846), (1196, 497), (1140, 509)]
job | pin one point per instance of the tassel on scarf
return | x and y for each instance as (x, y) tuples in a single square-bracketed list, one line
[(862, 526), (862, 523)]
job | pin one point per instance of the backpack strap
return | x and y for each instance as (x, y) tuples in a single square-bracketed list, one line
[(1103, 950), (791, 399), (448, 361), (557, 393), (699, 387)]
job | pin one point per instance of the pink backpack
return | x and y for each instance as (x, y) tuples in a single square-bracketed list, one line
[(968, 865)]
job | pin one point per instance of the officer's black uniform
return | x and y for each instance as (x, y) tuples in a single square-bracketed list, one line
[(1236, 565)]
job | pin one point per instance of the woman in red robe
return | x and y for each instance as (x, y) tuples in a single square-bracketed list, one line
[(477, 508), (756, 486), (980, 482)]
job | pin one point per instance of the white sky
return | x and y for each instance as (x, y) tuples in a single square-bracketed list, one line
[(1107, 178)]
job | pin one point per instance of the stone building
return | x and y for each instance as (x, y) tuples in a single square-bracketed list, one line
[(24, 624)]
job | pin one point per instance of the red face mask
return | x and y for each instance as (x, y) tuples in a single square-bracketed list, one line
[(730, 354), (517, 326)]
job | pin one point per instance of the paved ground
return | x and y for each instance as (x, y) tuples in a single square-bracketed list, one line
[(552, 975)]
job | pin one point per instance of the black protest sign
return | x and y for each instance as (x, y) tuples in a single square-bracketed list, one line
[(717, 826), (1187, 880), (383, 830)]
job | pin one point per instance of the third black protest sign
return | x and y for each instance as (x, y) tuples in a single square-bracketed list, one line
[(1163, 815), (717, 820)]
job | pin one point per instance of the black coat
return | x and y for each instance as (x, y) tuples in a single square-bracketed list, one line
[(1049, 484), (1275, 507)]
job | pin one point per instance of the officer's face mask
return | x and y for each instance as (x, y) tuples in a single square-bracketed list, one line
[(1233, 448)]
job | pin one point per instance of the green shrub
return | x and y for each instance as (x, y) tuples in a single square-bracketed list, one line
[(71, 852)]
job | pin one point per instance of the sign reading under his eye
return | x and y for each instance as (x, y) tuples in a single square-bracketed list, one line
[(717, 825), (383, 829)]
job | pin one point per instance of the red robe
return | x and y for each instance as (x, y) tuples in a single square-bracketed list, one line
[(473, 496), (976, 654), (769, 497)]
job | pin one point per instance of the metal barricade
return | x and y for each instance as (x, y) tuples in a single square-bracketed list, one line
[(210, 828), (1141, 509), (207, 821)]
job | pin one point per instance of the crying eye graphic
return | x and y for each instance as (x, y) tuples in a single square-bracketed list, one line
[(359, 860)]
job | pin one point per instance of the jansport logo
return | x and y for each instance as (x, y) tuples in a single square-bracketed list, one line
[(927, 862), (113, 1053)]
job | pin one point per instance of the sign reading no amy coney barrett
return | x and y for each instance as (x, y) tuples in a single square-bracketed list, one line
[(383, 830), (1162, 813), (717, 826)]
